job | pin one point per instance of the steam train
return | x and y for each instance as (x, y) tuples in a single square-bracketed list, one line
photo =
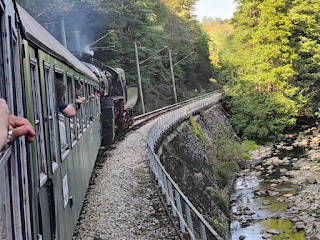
[(43, 184)]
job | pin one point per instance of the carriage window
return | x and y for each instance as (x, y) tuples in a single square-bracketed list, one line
[(92, 100), (72, 120), (51, 116), (78, 93), (37, 109), (63, 121), (87, 104), (94, 107), (95, 104), (98, 109), (84, 107), (5, 157)]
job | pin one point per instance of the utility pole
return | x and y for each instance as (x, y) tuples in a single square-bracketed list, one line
[(77, 34), (63, 33), (139, 78), (172, 76)]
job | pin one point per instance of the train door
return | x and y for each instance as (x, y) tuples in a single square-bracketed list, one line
[(23, 210), (52, 155), (44, 230), (11, 213)]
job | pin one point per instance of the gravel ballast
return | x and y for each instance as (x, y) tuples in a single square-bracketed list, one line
[(121, 202)]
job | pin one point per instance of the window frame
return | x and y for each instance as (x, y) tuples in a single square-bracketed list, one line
[(64, 150), (35, 83), (83, 107), (71, 101), (78, 112), (52, 115)]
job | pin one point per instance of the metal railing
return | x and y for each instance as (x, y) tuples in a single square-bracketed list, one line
[(180, 205)]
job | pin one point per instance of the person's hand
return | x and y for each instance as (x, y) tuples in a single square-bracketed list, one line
[(80, 100), (4, 122), (21, 126)]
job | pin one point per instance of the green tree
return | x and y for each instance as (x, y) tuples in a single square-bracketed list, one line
[(153, 24), (275, 52)]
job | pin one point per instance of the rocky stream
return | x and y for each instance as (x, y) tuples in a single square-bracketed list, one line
[(278, 195)]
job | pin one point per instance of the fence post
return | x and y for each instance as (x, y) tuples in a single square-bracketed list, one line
[(203, 232), (189, 218), (179, 206), (166, 188), (162, 180), (174, 212)]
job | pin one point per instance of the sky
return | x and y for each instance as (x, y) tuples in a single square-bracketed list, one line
[(215, 8)]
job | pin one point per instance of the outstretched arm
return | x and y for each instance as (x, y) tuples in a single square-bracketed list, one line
[(69, 111)]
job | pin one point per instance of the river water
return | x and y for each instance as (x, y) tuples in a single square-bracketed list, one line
[(264, 216)]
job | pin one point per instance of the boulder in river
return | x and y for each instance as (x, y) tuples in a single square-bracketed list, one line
[(288, 195), (311, 180), (272, 193), (273, 232), (300, 226), (267, 236)]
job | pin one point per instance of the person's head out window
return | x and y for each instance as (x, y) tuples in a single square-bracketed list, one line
[(63, 107), (79, 89), (79, 100), (60, 91)]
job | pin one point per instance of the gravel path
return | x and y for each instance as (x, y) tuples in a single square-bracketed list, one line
[(121, 202)]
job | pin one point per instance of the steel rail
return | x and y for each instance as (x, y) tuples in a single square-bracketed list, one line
[(174, 106), (185, 212)]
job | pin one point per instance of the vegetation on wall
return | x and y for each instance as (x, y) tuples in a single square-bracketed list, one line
[(196, 129)]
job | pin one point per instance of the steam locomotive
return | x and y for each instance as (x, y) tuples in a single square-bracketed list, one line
[(44, 183)]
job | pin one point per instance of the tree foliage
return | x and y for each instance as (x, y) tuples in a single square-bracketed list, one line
[(275, 53), (153, 24)]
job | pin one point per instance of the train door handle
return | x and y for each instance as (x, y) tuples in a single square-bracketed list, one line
[(71, 201)]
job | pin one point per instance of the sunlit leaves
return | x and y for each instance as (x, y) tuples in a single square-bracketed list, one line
[(276, 54)]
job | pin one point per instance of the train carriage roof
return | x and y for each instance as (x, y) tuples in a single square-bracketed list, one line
[(42, 38)]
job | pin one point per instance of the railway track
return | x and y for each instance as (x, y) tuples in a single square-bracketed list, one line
[(143, 119), (140, 121)]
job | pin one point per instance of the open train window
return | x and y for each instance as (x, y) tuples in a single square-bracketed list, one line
[(60, 89), (98, 103), (92, 100), (84, 105), (51, 116), (78, 93), (71, 98), (38, 120), (94, 104), (5, 156), (88, 98), (21, 151)]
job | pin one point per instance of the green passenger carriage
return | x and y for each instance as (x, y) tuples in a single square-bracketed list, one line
[(66, 149), (44, 183)]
